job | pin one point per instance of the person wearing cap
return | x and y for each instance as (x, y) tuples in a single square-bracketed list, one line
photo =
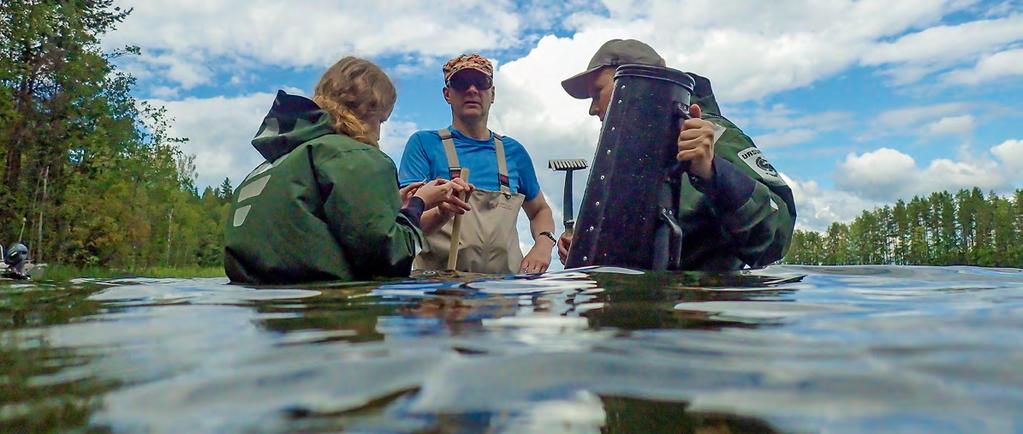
[(735, 208), (500, 170), (324, 205)]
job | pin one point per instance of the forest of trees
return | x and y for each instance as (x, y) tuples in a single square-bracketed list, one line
[(964, 228), (90, 176)]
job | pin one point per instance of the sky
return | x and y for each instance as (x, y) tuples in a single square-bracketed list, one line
[(856, 103)]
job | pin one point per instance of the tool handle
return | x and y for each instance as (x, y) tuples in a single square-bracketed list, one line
[(567, 210), (456, 227), (682, 111)]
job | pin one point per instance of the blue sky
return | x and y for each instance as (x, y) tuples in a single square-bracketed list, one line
[(856, 103)]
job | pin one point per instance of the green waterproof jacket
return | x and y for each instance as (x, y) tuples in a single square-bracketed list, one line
[(322, 207), (746, 214)]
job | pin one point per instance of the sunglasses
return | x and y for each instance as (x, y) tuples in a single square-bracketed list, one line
[(461, 82)]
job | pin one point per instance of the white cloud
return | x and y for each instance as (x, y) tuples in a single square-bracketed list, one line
[(915, 56), (220, 131), (904, 118), (188, 72), (393, 135), (785, 127), (783, 138), (752, 49), (945, 174), (876, 174), (962, 125), (1000, 65), (1004, 7), (935, 44), (1010, 152), (818, 207), (165, 92), (181, 38), (925, 120), (780, 117), (887, 174)]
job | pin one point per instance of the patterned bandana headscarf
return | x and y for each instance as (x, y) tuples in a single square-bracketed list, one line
[(468, 61)]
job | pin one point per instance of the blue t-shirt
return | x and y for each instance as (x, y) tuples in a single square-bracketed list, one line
[(424, 159)]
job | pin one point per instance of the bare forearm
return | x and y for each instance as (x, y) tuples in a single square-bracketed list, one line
[(542, 221), (432, 220)]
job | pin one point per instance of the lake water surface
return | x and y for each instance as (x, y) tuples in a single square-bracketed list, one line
[(783, 349)]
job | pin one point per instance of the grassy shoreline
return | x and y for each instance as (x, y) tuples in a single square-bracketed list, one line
[(68, 272)]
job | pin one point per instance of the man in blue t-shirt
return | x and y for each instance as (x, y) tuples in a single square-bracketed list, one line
[(500, 169)]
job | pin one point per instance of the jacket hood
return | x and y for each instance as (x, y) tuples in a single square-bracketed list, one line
[(704, 95), (291, 121)]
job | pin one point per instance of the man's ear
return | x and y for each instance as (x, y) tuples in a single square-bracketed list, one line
[(447, 94)]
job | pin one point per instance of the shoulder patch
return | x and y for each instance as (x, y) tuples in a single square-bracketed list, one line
[(756, 161)]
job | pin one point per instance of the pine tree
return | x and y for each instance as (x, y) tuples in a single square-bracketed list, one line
[(225, 191), (902, 230)]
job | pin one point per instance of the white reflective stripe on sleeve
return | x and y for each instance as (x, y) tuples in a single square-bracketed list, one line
[(240, 214), (259, 169), (253, 188)]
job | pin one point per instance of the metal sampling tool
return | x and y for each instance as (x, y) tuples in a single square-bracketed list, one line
[(568, 166)]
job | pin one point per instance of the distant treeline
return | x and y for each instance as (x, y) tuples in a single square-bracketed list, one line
[(965, 228), (90, 176)]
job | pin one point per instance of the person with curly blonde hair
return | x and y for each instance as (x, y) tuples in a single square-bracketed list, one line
[(325, 205)]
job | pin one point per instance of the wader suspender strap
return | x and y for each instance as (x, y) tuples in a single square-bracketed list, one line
[(454, 168), (502, 166)]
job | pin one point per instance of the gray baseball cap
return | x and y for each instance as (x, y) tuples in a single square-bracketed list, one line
[(613, 53)]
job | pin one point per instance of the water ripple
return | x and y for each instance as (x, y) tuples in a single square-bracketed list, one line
[(787, 348)]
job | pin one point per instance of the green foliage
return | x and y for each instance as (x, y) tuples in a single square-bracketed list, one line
[(65, 272), (90, 168), (964, 228), (225, 191)]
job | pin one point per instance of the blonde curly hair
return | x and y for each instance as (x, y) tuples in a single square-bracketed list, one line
[(352, 90)]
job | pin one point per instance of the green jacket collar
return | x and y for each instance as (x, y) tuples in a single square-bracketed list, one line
[(291, 121), (704, 95)]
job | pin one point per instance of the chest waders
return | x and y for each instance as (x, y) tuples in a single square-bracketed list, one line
[(488, 238)]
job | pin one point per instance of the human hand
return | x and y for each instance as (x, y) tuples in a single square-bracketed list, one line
[(564, 243), (696, 144), (538, 258), (463, 186), (457, 203), (408, 191), (434, 192)]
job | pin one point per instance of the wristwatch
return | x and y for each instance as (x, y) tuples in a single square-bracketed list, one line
[(548, 234)]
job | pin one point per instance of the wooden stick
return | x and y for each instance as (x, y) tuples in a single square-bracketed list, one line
[(456, 227)]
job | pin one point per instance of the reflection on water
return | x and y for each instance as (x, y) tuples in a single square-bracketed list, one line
[(838, 349)]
